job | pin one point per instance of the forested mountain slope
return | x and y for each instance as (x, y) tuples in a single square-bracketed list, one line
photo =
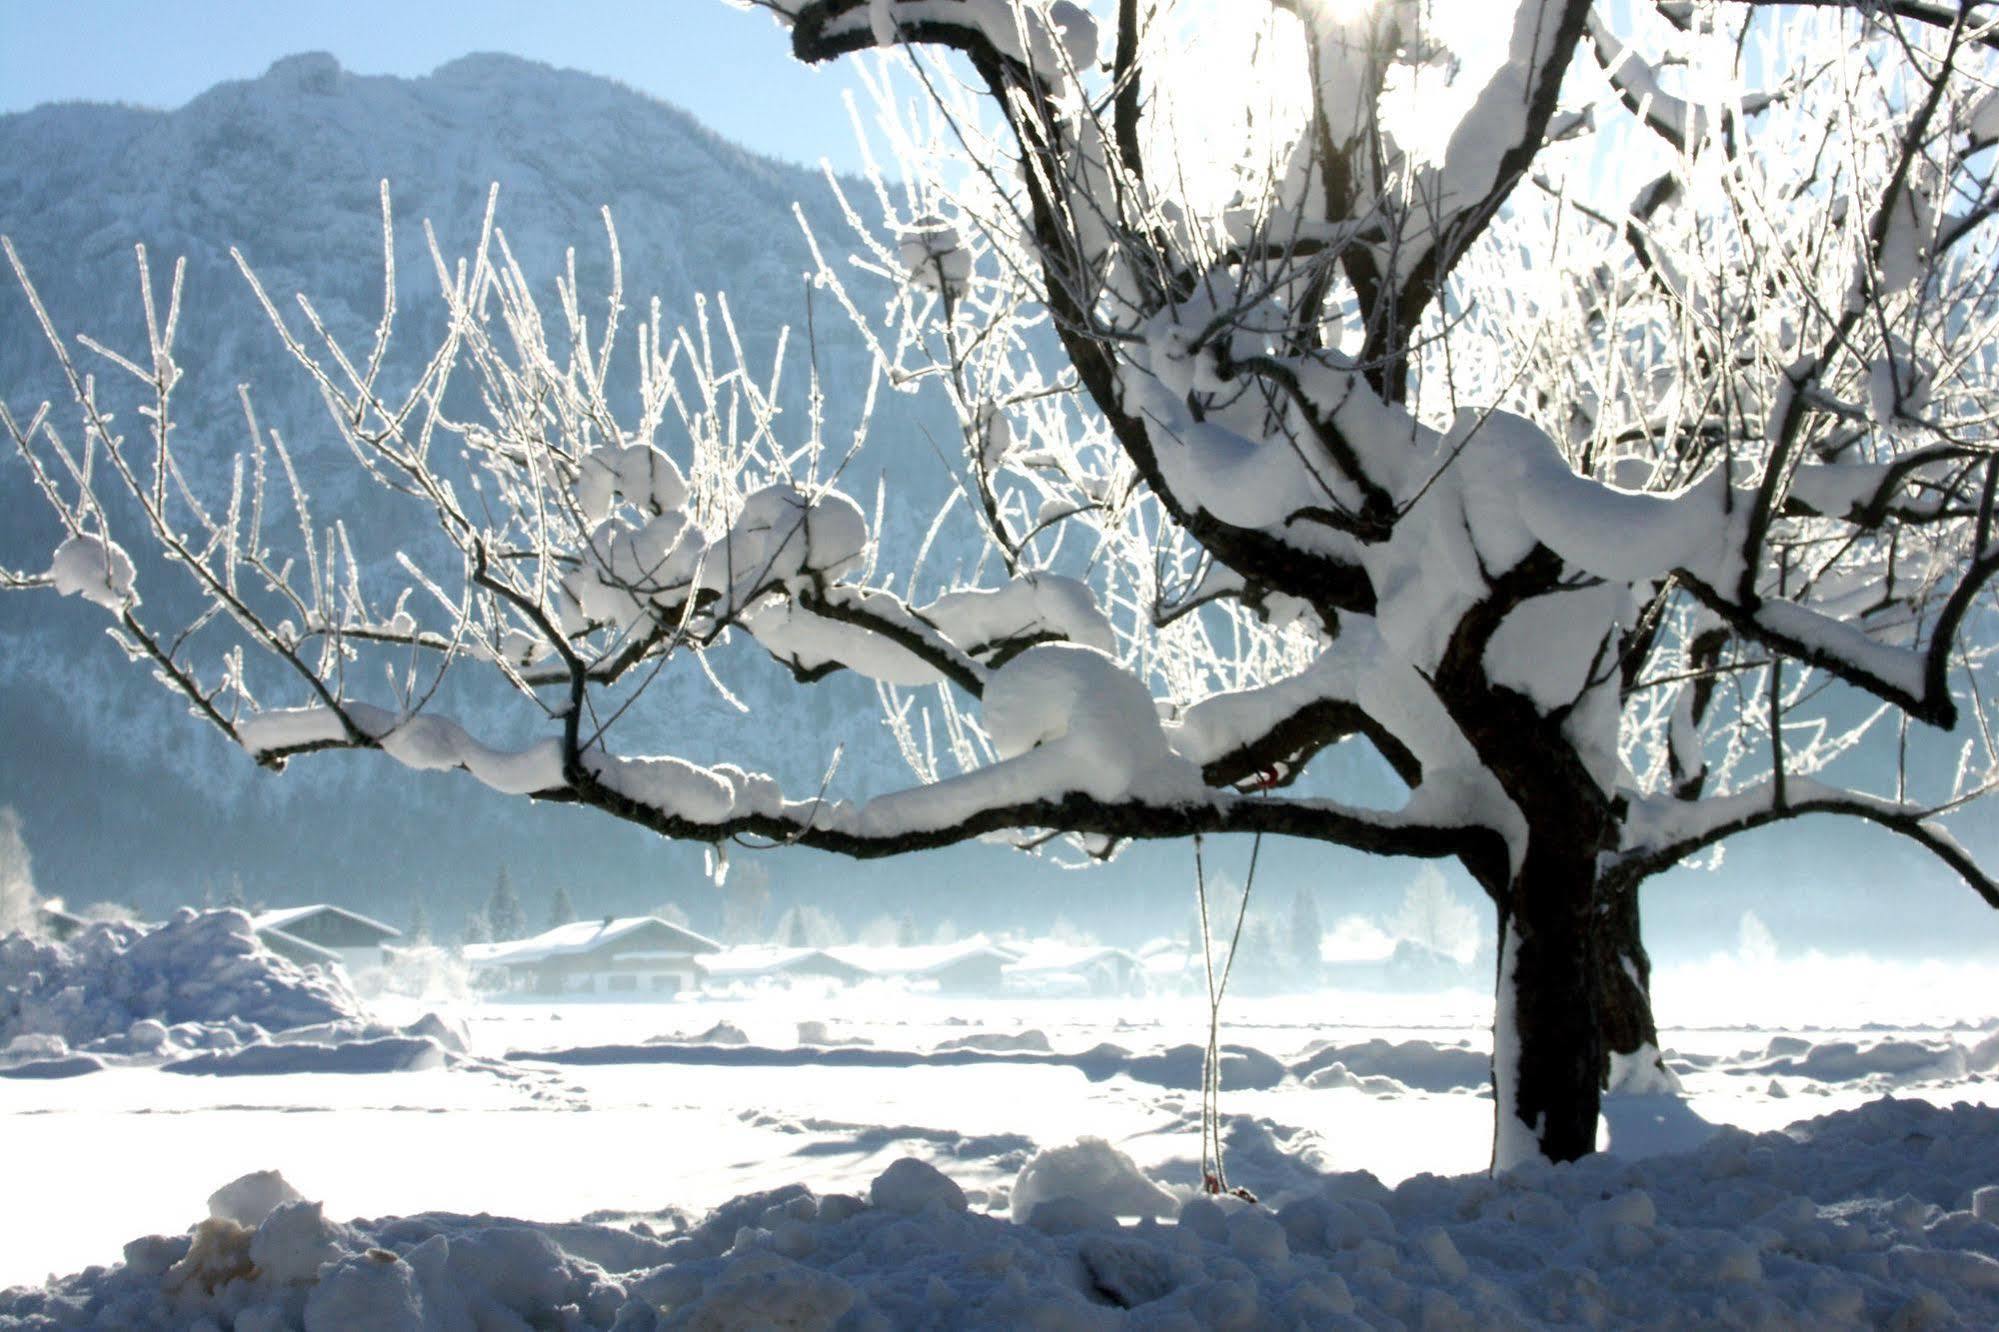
[(287, 168)]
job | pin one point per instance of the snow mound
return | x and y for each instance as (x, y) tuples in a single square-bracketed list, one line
[(1092, 1171), (248, 1200), (1889, 1061), (1179, 1066), (1387, 1068), (723, 1032), (202, 981), (913, 1186), (380, 1054), (1879, 1216), (1033, 1039)]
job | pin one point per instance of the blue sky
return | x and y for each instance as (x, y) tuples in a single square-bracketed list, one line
[(731, 68)]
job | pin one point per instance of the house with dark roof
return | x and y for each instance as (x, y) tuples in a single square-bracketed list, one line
[(633, 956), (56, 923), (321, 935)]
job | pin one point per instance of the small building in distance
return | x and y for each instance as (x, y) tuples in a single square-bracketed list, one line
[(633, 955), (320, 935), (971, 966), (56, 923), (750, 963), (1055, 969)]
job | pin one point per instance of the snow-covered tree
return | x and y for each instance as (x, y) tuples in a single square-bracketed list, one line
[(419, 931), (806, 926), (560, 909), (477, 930), (1363, 408), (745, 899), (504, 915), (1432, 915), (19, 903)]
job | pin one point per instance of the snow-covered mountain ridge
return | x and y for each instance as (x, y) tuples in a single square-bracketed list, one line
[(287, 168)]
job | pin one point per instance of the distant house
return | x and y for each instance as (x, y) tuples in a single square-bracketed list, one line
[(320, 935), (973, 966), (58, 924), (757, 962), (1067, 969), (633, 955)]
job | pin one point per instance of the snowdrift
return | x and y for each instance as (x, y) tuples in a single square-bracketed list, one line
[(1376, 1066), (1888, 1214), (199, 994), (202, 979)]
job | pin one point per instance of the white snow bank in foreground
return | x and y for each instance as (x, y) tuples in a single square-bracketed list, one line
[(1878, 1216), (200, 981)]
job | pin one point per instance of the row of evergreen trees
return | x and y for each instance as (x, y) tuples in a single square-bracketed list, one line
[(502, 918), (1430, 915)]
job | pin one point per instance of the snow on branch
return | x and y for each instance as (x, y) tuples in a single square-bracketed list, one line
[(1660, 833)]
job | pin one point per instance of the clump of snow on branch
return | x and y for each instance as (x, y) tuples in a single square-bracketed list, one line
[(1076, 703), (95, 569)]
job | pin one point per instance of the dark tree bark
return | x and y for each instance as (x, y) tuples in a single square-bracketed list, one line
[(1624, 977), (1548, 1040), (1549, 1011)]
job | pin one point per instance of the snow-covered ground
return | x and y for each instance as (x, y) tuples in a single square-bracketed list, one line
[(640, 1118)]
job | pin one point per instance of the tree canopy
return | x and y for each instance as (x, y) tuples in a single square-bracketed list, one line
[(1615, 526)]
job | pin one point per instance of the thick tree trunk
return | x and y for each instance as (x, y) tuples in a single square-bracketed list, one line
[(1548, 1052), (1624, 987)]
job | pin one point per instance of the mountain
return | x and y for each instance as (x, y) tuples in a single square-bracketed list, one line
[(122, 795)]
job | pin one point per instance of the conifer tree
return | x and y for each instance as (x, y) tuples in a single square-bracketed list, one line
[(503, 910)]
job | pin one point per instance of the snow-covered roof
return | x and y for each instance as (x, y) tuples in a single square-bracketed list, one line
[(919, 959), (580, 937), (770, 960), (53, 909), (284, 917), (1052, 957), (295, 948)]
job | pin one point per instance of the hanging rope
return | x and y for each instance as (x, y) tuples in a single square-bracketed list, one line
[(1214, 1177)]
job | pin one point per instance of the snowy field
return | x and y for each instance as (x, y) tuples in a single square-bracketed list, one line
[(641, 1118)]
